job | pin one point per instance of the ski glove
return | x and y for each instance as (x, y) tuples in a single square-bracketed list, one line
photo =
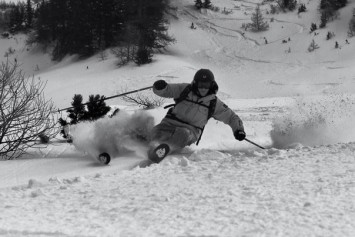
[(160, 85), (239, 135)]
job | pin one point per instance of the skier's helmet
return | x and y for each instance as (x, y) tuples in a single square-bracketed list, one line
[(204, 78)]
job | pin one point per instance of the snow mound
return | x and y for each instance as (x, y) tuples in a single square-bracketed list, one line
[(315, 121), (119, 134)]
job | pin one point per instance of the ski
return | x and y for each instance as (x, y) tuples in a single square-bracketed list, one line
[(104, 158)]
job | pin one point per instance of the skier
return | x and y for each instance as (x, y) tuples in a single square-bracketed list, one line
[(194, 104)]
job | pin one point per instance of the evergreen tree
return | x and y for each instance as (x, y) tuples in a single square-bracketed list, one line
[(258, 23), (339, 3), (29, 14), (323, 20), (313, 27), (198, 4), (108, 22), (147, 19), (76, 113), (328, 8), (42, 24), (80, 28), (302, 8), (207, 4), (143, 56), (96, 108), (17, 17), (287, 4), (84, 27), (351, 31), (42, 27)]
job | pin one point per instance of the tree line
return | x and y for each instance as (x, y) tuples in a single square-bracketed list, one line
[(85, 27)]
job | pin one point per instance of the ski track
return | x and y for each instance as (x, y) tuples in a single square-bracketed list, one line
[(208, 194), (229, 54)]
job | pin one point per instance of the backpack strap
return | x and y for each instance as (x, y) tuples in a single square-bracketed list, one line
[(183, 95), (211, 109)]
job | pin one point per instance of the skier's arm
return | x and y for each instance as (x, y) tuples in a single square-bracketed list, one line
[(168, 90), (224, 114)]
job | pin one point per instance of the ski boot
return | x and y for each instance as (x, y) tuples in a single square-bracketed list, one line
[(158, 153), (104, 158)]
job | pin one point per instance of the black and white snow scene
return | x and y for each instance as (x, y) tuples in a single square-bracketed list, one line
[(289, 75)]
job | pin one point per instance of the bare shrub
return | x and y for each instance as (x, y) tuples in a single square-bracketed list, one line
[(10, 51), (102, 56), (25, 115), (125, 54), (274, 9), (144, 100)]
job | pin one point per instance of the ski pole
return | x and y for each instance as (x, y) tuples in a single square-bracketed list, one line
[(246, 139), (114, 96)]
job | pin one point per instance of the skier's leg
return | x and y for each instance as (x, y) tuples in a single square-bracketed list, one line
[(175, 137), (181, 138), (171, 141)]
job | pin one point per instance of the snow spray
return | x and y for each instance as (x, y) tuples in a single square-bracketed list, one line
[(313, 121), (118, 135)]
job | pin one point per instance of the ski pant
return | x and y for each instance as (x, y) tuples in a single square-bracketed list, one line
[(177, 137)]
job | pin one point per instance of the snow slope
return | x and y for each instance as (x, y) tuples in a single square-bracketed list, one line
[(299, 105)]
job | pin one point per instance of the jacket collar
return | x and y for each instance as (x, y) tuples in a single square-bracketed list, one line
[(207, 98)]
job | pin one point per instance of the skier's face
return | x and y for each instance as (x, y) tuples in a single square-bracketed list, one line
[(203, 88), (203, 91)]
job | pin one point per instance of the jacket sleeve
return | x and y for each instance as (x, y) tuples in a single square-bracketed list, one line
[(172, 90), (224, 114)]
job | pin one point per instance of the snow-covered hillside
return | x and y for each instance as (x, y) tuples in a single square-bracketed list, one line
[(297, 104)]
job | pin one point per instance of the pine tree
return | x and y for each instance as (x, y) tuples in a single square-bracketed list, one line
[(29, 14), (148, 20), (323, 20), (339, 3), (84, 27), (96, 108), (143, 56), (351, 31), (207, 4), (328, 8), (287, 4), (258, 23), (78, 111), (330, 35), (198, 4), (17, 17), (302, 8), (43, 33), (313, 27)]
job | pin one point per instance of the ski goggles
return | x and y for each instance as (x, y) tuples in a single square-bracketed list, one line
[(204, 85)]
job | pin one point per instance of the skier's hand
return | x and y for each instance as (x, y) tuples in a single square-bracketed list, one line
[(239, 135), (160, 84)]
